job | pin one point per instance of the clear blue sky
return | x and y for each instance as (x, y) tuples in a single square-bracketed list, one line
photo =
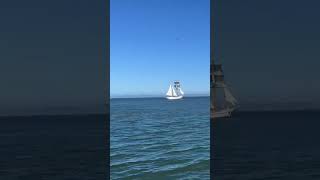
[(52, 55), (153, 42), (270, 50)]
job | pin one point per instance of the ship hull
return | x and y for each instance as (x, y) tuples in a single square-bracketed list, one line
[(224, 113), (174, 97)]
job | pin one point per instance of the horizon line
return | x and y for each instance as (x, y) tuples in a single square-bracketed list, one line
[(108, 113), (155, 96)]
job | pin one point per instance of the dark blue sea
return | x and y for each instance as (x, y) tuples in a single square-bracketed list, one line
[(154, 138), (57, 147), (267, 145)]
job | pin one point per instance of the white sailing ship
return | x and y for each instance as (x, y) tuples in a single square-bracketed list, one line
[(175, 92), (229, 102)]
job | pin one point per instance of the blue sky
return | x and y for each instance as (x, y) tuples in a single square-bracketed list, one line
[(269, 50), (153, 42), (52, 55)]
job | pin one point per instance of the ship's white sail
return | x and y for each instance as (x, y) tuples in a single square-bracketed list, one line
[(217, 82), (175, 92), (169, 93), (181, 92), (229, 97), (211, 96)]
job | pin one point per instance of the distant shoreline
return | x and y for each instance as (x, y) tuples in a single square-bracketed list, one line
[(150, 97), (108, 114)]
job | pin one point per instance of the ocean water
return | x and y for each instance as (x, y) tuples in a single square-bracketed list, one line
[(154, 138), (55, 147), (267, 145)]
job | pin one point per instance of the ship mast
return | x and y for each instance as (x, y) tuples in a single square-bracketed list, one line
[(212, 79)]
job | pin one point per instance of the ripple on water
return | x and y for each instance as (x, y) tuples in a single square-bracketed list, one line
[(155, 138)]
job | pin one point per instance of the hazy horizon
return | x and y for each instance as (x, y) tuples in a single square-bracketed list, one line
[(98, 108), (163, 94), (157, 95)]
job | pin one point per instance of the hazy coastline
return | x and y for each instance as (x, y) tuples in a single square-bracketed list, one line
[(101, 108)]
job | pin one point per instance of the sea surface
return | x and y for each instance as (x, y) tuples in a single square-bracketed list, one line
[(267, 145), (55, 147), (154, 138)]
